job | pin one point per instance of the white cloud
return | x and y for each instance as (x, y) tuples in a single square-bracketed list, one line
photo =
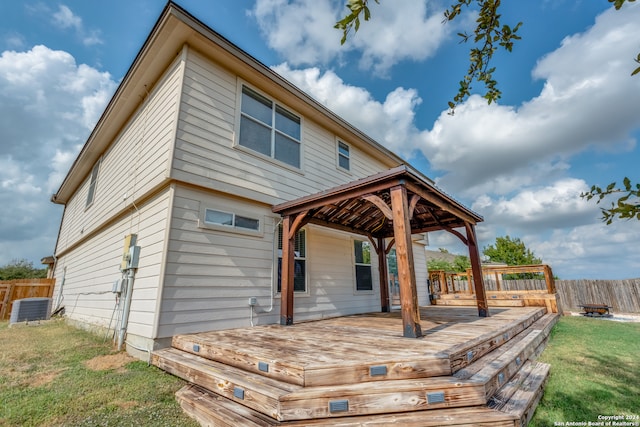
[(592, 251), (585, 102), (48, 106), (557, 205), (302, 31), (65, 19), (389, 122)]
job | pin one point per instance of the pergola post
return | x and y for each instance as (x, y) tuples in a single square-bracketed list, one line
[(406, 270), (384, 275), (476, 268), (287, 272)]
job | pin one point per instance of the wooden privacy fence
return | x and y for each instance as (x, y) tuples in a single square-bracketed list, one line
[(11, 290), (623, 296)]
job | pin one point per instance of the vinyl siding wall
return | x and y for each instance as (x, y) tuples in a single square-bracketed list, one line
[(205, 154), (211, 274), (90, 244), (136, 162), (89, 270)]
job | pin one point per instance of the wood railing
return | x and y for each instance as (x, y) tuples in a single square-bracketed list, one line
[(516, 286), (11, 290), (498, 278)]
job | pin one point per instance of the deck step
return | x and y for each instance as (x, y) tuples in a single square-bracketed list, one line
[(283, 401), (210, 409), (304, 367), (467, 353), (254, 391), (495, 369), (521, 395)]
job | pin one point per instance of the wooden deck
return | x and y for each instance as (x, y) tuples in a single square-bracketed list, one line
[(360, 370)]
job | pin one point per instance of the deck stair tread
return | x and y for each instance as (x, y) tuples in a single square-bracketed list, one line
[(211, 409), (286, 401), (466, 353), (495, 369), (513, 405), (536, 333), (526, 391)]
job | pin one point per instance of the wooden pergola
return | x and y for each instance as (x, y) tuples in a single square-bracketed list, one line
[(390, 205)]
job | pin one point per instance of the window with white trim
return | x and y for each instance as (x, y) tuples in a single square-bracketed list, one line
[(231, 220), (362, 258), (92, 184), (300, 261), (268, 128), (343, 156)]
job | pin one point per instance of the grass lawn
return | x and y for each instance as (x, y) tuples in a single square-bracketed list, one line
[(56, 375), (595, 370)]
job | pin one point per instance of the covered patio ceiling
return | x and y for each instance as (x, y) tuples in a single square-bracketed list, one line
[(388, 208)]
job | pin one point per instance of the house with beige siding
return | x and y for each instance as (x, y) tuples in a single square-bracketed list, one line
[(181, 210)]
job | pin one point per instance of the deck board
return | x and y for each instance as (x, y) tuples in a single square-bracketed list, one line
[(342, 350)]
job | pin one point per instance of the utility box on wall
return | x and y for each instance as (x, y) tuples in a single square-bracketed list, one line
[(130, 253)]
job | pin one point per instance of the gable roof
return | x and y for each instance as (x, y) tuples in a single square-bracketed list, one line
[(175, 28)]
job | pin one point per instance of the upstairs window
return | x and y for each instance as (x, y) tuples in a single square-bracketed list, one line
[(343, 155), (300, 263), (92, 184), (269, 129), (362, 258)]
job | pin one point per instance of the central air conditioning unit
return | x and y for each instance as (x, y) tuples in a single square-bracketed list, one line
[(30, 309)]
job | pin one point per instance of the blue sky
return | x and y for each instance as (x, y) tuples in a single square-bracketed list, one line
[(569, 116)]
